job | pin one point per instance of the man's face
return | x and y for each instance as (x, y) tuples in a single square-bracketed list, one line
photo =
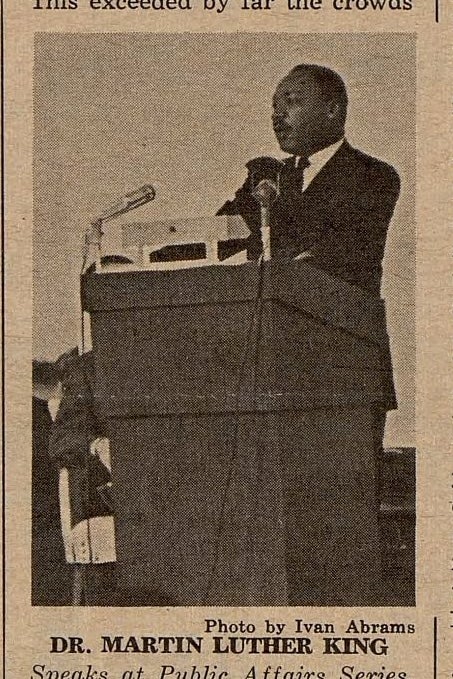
[(300, 115)]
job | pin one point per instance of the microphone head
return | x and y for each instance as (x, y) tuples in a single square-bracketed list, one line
[(147, 192), (265, 192), (130, 201)]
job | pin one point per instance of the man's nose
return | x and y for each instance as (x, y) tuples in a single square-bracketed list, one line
[(279, 111)]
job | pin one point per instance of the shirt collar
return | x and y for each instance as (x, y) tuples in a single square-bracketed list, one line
[(320, 158)]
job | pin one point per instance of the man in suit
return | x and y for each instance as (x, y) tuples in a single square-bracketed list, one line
[(335, 203), (333, 209)]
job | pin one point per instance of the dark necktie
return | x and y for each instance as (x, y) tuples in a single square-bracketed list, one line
[(292, 179)]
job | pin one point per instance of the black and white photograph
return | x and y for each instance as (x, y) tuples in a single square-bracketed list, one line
[(224, 285)]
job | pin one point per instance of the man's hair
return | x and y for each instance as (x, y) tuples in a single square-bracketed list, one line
[(331, 85)]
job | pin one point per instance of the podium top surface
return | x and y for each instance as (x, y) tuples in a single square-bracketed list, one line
[(293, 283)]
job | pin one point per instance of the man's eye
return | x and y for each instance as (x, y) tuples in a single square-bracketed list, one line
[(288, 99)]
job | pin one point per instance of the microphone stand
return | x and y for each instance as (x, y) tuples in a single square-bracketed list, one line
[(93, 241), (266, 231), (266, 193), (93, 236)]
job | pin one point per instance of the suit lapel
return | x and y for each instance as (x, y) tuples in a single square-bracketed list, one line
[(332, 171), (304, 219)]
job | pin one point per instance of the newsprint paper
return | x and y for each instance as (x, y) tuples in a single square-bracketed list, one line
[(227, 334)]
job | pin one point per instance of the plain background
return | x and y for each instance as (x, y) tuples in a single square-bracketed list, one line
[(186, 111)]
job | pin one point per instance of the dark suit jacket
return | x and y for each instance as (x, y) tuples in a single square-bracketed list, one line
[(341, 218)]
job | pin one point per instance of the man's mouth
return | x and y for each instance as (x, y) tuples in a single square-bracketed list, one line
[(281, 131)]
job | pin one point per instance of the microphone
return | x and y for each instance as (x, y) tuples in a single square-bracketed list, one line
[(130, 201), (266, 192)]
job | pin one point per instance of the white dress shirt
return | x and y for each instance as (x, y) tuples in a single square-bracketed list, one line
[(317, 162)]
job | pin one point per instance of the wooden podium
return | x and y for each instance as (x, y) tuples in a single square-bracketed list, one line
[(240, 403)]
